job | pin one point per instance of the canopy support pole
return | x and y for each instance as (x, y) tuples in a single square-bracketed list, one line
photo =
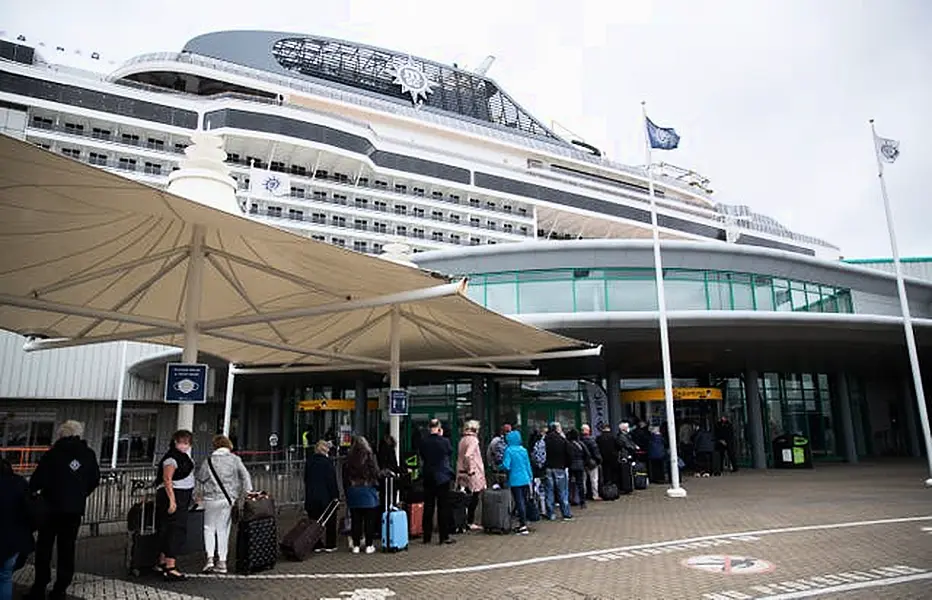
[(118, 417), (192, 313), (228, 402), (394, 376)]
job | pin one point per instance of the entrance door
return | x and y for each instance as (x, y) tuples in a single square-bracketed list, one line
[(536, 416), (415, 426)]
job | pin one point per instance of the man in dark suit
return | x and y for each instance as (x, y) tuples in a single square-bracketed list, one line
[(436, 454)]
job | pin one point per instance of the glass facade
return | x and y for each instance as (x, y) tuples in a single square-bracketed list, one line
[(794, 403), (597, 290)]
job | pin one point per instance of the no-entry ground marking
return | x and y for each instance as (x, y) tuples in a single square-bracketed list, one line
[(729, 564)]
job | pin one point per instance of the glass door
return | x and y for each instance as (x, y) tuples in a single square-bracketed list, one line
[(538, 415)]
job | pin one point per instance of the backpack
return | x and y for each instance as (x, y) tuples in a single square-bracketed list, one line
[(539, 454)]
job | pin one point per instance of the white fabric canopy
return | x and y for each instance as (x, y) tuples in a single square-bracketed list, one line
[(89, 256)]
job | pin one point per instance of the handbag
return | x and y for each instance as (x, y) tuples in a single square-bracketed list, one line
[(257, 505), (234, 507)]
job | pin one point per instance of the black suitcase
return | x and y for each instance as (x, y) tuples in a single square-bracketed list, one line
[(256, 545), (625, 476), (640, 476), (142, 545), (459, 503)]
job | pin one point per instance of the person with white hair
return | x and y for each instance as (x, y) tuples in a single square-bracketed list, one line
[(64, 478)]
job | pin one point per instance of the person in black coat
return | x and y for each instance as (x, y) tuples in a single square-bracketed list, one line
[(320, 489), (65, 476), (725, 443), (436, 453), (609, 452), (15, 522)]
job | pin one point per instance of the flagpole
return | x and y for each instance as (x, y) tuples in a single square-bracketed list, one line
[(904, 308), (675, 491)]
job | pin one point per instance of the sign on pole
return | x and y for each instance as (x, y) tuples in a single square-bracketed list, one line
[(186, 383), (398, 403)]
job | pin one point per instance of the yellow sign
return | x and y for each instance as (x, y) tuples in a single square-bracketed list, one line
[(683, 393), (334, 404)]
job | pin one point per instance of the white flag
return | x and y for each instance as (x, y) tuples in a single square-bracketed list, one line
[(269, 183), (888, 150)]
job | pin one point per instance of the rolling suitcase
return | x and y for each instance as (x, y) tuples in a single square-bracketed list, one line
[(497, 506), (256, 545), (459, 503), (142, 546), (625, 476), (640, 476), (415, 519), (394, 523), (299, 543)]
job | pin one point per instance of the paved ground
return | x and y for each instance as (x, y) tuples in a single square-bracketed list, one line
[(836, 532)]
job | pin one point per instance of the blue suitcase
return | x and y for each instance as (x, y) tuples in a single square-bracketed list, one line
[(394, 522)]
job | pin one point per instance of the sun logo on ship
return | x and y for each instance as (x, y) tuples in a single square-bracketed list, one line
[(412, 80)]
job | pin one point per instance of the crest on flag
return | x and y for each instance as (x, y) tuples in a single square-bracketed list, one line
[(662, 138), (889, 150), (269, 183)]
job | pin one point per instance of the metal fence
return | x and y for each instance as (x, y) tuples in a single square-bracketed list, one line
[(120, 488)]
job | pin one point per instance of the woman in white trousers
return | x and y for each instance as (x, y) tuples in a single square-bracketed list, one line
[(223, 480)]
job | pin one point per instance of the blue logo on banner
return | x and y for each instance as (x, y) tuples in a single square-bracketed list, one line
[(398, 403), (186, 383)]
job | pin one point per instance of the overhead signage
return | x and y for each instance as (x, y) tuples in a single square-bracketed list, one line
[(398, 403), (679, 393), (186, 383)]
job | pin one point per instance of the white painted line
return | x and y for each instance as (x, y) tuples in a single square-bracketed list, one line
[(569, 556), (848, 587)]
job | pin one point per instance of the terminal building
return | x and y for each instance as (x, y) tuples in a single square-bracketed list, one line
[(363, 147)]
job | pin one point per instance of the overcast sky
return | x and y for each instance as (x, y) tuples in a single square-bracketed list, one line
[(771, 97)]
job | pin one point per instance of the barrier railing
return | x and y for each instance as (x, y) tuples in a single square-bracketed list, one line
[(283, 479), (23, 458)]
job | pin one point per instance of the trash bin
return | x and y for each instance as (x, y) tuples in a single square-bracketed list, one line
[(792, 451)]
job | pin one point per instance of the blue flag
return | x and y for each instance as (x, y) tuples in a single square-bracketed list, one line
[(662, 138)]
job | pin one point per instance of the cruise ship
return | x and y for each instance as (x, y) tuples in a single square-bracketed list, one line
[(359, 146)]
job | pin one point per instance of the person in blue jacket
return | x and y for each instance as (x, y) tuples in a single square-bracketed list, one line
[(518, 464)]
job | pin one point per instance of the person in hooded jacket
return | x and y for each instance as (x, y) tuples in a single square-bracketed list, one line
[(516, 462), (15, 525), (64, 478), (656, 453)]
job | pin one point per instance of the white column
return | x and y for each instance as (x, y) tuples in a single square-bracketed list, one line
[(192, 311), (675, 491), (118, 417), (228, 401), (394, 376), (204, 178)]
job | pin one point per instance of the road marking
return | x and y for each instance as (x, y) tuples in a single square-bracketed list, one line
[(569, 556), (809, 587), (849, 587), (673, 548), (729, 564), (926, 529), (92, 587), (364, 594)]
